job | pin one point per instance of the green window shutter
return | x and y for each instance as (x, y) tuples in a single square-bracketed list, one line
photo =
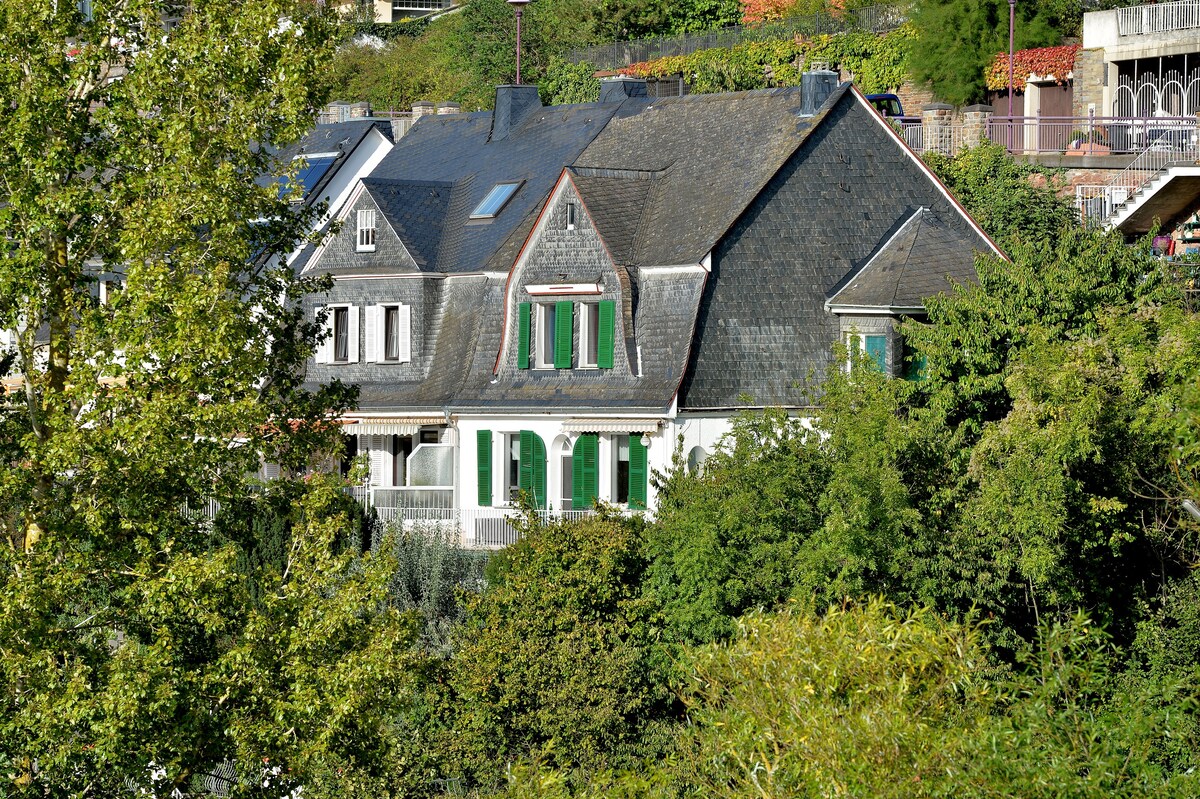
[(638, 472), (585, 477), (877, 351), (539, 472), (914, 367), (531, 476), (605, 338), (483, 454), (564, 323), (525, 312), (525, 467)]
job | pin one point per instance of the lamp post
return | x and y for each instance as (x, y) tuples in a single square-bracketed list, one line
[(519, 6), (1012, 16)]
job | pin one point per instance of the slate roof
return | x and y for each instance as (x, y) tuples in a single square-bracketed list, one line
[(788, 205), (763, 329), (417, 212), (925, 257), (456, 149), (340, 137)]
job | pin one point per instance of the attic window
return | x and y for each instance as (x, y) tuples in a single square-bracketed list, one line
[(495, 200)]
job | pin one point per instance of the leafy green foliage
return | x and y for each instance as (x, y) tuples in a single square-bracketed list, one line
[(1010, 200), (133, 632), (566, 83), (622, 20), (560, 648), (957, 40), (730, 538)]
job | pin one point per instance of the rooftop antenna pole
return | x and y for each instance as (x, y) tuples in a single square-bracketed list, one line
[(519, 6), (1012, 16)]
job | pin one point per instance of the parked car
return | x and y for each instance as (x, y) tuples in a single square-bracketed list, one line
[(890, 107)]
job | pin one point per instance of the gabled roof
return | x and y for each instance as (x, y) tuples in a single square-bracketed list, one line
[(923, 258), (341, 138), (416, 211), (708, 156), (457, 149)]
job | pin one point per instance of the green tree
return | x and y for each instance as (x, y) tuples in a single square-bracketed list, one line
[(132, 633), (561, 656), (1011, 200), (729, 539), (957, 39)]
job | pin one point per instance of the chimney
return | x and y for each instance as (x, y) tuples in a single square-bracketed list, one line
[(815, 88), (360, 110), (421, 108), (448, 108), (514, 103), (614, 90)]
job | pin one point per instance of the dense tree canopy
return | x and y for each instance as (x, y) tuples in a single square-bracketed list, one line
[(154, 352)]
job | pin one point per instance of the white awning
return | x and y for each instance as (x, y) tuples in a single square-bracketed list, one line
[(611, 425), (392, 426)]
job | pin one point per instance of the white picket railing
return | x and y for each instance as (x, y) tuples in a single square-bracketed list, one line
[(1158, 18)]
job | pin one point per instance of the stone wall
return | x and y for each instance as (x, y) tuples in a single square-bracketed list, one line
[(1089, 83)]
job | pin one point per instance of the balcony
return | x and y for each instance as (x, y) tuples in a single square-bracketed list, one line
[(1069, 136), (434, 508), (1156, 18)]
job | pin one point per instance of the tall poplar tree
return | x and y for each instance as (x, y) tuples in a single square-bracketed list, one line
[(151, 356)]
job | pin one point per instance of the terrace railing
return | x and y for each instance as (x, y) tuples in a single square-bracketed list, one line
[(1062, 135), (1158, 18), (1097, 203)]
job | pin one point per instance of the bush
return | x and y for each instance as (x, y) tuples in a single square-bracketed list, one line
[(561, 655)]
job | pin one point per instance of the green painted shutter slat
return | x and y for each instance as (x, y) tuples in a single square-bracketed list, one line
[(877, 351), (525, 467), (605, 337), (525, 312), (564, 324), (638, 472), (531, 475), (578, 495), (483, 453), (585, 477), (538, 471)]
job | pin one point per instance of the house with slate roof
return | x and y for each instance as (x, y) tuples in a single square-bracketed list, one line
[(551, 299)]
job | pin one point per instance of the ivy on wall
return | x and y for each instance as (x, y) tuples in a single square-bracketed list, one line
[(877, 63), (1056, 62)]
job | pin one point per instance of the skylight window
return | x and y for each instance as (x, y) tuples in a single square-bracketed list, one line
[(495, 200)]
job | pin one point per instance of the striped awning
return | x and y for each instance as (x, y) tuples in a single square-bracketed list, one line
[(392, 425), (611, 425)]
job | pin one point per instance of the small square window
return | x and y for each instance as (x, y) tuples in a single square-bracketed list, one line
[(366, 231), (873, 344)]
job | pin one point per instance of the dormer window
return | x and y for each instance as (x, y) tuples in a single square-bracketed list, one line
[(366, 231), (495, 200)]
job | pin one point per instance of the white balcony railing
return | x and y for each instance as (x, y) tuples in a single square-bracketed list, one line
[(1158, 18)]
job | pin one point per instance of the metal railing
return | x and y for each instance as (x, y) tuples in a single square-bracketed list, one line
[(1098, 203), (876, 19), (1063, 135), (1158, 18)]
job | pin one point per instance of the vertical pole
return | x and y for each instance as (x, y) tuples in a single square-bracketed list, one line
[(1012, 16), (519, 44)]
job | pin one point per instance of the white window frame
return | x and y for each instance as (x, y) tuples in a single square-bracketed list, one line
[(589, 338), (856, 342), (570, 215), (365, 230), (615, 484), (510, 483), (327, 350), (375, 338), (544, 333)]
